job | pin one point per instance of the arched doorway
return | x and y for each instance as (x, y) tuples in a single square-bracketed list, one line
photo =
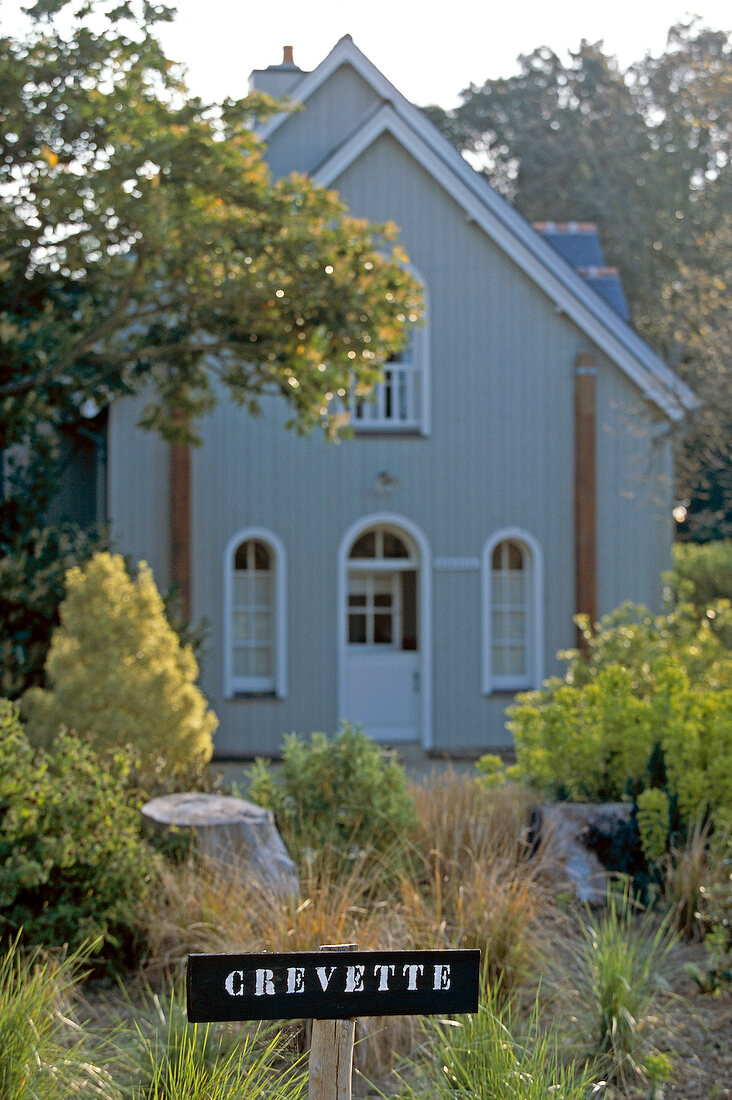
[(383, 631)]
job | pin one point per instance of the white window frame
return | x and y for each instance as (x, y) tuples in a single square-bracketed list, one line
[(248, 685), (411, 367), (534, 611)]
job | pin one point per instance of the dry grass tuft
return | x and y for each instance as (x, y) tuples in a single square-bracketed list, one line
[(481, 885), (686, 871)]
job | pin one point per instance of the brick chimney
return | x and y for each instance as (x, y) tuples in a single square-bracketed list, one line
[(277, 80)]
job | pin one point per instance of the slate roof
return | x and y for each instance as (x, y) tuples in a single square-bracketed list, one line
[(579, 244)]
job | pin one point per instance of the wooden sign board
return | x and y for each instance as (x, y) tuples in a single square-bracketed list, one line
[(324, 986)]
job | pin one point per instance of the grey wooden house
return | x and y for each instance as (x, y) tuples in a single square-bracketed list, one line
[(515, 467)]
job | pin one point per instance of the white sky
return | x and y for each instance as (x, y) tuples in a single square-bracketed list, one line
[(430, 53)]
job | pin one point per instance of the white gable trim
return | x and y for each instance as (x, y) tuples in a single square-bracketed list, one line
[(565, 297), (503, 225)]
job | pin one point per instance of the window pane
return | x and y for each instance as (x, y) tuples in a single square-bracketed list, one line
[(243, 662), (498, 589), (382, 630), (262, 661), (515, 557), (357, 629), (262, 589), (243, 590), (355, 600), (382, 599), (515, 589), (409, 609), (365, 547), (515, 623), (261, 556), (499, 667), (515, 660), (498, 626), (394, 547)]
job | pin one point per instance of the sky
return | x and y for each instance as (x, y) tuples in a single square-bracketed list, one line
[(429, 52)]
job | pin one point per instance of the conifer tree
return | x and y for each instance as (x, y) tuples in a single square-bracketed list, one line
[(119, 675)]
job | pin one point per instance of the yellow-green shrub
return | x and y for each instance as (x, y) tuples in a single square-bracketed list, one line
[(616, 734), (119, 675)]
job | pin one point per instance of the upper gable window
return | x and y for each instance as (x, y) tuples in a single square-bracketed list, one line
[(401, 403)]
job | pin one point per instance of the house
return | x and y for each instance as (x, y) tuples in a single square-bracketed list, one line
[(514, 468)]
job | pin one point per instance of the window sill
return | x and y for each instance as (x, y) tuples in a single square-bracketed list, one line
[(234, 695), (410, 432)]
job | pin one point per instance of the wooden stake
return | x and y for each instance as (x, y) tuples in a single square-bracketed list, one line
[(330, 1067)]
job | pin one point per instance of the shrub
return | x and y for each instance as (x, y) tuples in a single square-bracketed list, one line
[(343, 794), (613, 736), (119, 676), (73, 866), (703, 573)]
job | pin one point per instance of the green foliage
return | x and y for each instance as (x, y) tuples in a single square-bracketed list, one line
[(33, 567), (619, 981), (179, 263), (336, 796), (654, 813), (73, 866), (648, 706), (645, 154), (118, 675), (489, 1054), (44, 1055), (703, 573)]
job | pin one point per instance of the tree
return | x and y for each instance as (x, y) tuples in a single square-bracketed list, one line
[(145, 246), (645, 153), (144, 241), (118, 675)]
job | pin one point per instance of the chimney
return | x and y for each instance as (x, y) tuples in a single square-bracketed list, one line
[(277, 80)]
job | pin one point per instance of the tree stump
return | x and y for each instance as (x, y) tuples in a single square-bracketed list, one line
[(231, 831)]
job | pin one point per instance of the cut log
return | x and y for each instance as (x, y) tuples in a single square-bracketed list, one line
[(231, 831)]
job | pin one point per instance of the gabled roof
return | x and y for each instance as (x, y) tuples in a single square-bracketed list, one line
[(502, 224)]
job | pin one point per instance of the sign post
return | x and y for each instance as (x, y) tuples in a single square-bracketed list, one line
[(332, 990)]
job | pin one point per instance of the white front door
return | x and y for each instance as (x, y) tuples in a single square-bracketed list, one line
[(381, 688)]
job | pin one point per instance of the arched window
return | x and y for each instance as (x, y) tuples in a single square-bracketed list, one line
[(512, 614), (255, 615)]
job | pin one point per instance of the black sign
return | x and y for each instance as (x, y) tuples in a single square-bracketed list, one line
[(331, 985)]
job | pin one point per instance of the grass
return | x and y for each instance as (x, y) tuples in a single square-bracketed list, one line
[(619, 982), (45, 1052), (489, 1054)]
